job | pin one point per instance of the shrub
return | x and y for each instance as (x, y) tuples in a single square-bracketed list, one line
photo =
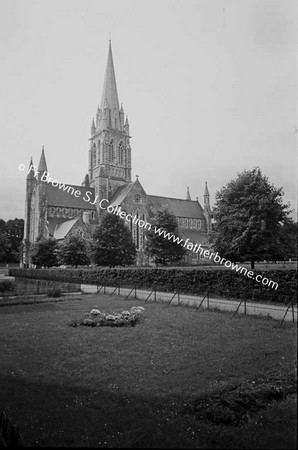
[(98, 318), (54, 292), (6, 285)]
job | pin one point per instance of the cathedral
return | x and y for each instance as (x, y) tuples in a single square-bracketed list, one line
[(54, 209)]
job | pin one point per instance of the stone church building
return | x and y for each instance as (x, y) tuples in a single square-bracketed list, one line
[(58, 210)]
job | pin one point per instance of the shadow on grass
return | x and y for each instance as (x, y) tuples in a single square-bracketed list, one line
[(72, 416), (57, 415)]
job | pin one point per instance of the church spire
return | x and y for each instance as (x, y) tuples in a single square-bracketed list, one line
[(42, 167), (109, 94)]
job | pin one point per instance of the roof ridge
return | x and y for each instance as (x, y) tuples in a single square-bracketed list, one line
[(173, 198)]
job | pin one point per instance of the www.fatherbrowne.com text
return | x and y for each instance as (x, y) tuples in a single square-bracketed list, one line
[(196, 248)]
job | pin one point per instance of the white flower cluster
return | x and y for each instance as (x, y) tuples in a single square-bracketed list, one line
[(98, 318)]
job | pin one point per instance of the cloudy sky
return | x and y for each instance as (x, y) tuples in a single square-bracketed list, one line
[(208, 86)]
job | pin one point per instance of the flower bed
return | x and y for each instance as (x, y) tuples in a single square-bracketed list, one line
[(98, 318)]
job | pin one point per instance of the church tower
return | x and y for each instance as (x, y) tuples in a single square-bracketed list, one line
[(110, 152)]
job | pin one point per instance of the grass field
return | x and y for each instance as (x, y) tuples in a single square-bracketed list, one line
[(135, 387)]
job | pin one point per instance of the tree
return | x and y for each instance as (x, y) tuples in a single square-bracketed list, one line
[(15, 232), (11, 235), (162, 250), (44, 252), (73, 251), (5, 248), (289, 240), (112, 243), (249, 219), (2, 226)]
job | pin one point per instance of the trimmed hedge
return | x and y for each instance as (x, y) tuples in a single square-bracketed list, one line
[(223, 283)]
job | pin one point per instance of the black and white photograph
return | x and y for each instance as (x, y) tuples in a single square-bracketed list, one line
[(148, 224)]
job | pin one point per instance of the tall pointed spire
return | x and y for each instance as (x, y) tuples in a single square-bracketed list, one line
[(109, 94), (42, 167)]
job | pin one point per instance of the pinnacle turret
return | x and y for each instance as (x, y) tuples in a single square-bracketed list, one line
[(86, 181), (31, 171), (206, 193), (93, 129), (42, 167), (207, 209), (188, 194), (126, 126)]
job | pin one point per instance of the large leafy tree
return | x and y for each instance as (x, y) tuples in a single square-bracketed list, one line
[(73, 251), (15, 232), (162, 250), (11, 235), (112, 243), (250, 219), (44, 252), (289, 237), (5, 248)]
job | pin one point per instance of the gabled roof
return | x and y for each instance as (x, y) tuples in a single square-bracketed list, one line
[(178, 207), (58, 197), (52, 222), (120, 193), (63, 228)]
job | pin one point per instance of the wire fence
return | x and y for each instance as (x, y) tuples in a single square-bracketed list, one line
[(285, 311)]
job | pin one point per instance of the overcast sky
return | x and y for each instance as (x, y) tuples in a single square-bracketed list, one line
[(209, 87)]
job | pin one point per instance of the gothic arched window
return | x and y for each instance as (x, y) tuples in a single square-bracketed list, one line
[(115, 118), (94, 155), (121, 153), (98, 152), (199, 223), (111, 151)]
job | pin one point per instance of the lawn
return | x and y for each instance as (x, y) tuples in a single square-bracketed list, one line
[(135, 387)]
